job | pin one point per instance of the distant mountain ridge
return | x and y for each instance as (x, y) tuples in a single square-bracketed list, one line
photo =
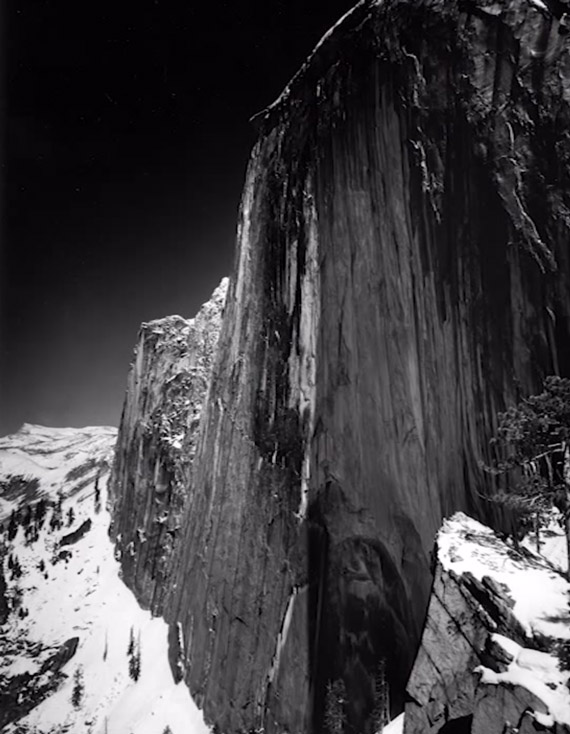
[(50, 454)]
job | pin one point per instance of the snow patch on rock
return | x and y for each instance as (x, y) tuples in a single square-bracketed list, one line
[(540, 594)]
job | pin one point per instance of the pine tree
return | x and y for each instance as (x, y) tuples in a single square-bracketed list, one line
[(27, 516), (12, 525), (14, 566), (134, 655), (56, 521), (97, 495), (70, 516), (532, 444), (78, 687), (137, 658), (334, 706), (131, 648), (40, 512), (381, 713)]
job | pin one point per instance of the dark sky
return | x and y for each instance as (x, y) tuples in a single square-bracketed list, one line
[(126, 137)]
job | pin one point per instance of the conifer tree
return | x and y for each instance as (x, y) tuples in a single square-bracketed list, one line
[(381, 713), (12, 525), (131, 647), (78, 687), (97, 495), (134, 655), (334, 706), (532, 444)]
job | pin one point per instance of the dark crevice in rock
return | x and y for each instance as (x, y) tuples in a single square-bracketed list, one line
[(319, 652), (461, 725)]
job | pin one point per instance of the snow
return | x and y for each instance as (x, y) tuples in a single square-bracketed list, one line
[(540, 595), (539, 4), (396, 726), (544, 719), (18, 666), (539, 673), (84, 596), (283, 633), (306, 373), (466, 545)]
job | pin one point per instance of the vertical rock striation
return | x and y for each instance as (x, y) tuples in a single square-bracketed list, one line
[(401, 275), (166, 389)]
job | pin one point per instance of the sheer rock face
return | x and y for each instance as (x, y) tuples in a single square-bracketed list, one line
[(401, 275), (167, 386), (487, 662)]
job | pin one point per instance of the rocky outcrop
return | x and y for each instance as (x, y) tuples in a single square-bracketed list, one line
[(77, 534), (167, 386), (490, 657), (401, 275)]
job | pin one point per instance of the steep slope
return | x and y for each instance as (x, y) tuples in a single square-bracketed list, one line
[(494, 650), (401, 275), (166, 388), (64, 662)]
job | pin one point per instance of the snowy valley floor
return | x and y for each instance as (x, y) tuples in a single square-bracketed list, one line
[(58, 592)]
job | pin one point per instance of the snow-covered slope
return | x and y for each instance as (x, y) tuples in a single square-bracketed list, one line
[(74, 634)]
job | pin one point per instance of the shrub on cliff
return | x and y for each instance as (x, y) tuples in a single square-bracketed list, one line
[(532, 446)]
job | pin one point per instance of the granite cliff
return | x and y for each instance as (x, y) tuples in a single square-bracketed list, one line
[(166, 388), (401, 275)]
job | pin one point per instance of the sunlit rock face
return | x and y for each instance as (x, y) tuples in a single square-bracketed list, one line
[(167, 386), (401, 275)]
